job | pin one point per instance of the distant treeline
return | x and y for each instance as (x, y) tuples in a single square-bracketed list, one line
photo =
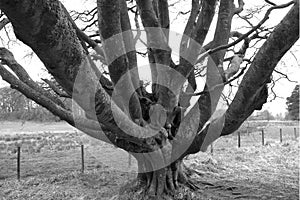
[(15, 106)]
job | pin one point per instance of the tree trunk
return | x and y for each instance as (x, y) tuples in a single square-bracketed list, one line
[(160, 183)]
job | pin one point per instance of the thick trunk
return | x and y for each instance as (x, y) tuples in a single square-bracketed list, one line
[(160, 183)]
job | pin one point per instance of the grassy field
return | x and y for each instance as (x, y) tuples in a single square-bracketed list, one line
[(51, 163)]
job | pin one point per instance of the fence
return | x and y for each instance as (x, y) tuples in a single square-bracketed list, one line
[(241, 137), (19, 161), (264, 140)]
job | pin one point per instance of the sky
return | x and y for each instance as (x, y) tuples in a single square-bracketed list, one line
[(283, 88)]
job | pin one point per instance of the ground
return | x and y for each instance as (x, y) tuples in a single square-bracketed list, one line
[(51, 164)]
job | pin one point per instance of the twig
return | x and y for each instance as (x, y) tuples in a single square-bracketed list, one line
[(266, 17), (270, 2), (217, 86), (3, 23), (285, 76)]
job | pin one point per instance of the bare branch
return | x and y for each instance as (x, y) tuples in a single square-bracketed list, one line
[(240, 8), (129, 44), (164, 18), (285, 76), (81, 123), (156, 37), (8, 59), (189, 26), (65, 59), (86, 38), (58, 91), (198, 34), (252, 93), (270, 2), (3, 23), (265, 18), (105, 83), (234, 66), (115, 43), (209, 90), (292, 53)]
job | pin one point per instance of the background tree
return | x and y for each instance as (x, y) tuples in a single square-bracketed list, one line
[(161, 127), (262, 115), (292, 103), (15, 106)]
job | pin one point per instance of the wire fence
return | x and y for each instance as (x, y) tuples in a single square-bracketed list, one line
[(258, 136), (21, 162)]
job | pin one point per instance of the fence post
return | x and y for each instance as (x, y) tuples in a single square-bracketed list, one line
[(280, 134), (211, 148), (19, 162), (239, 139), (295, 133), (263, 137), (82, 158)]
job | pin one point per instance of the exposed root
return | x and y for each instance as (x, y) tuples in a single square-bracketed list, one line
[(161, 184)]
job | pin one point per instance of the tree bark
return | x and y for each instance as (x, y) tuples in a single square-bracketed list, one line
[(47, 29), (44, 26), (253, 93), (157, 184)]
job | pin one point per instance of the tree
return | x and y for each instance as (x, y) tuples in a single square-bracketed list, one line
[(15, 106), (292, 103), (262, 115), (161, 127)]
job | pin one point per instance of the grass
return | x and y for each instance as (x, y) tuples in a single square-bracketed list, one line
[(269, 172), (93, 184), (53, 172)]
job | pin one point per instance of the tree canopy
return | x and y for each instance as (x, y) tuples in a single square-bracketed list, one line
[(292, 103), (97, 67)]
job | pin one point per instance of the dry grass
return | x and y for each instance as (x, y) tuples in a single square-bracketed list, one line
[(53, 172), (269, 172)]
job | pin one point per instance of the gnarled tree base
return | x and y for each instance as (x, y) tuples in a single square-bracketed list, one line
[(172, 182)]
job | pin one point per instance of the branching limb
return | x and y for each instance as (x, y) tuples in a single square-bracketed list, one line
[(3, 23), (189, 26), (156, 37), (265, 18), (105, 83), (159, 54), (222, 47), (215, 73), (90, 127), (164, 18), (129, 44), (198, 33), (240, 8), (285, 76), (217, 86), (115, 44), (86, 38), (137, 26), (237, 59), (252, 93), (270, 2), (58, 91), (8, 59)]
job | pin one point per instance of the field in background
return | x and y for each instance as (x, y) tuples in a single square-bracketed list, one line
[(22, 127), (50, 164)]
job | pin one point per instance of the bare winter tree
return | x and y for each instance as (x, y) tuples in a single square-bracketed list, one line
[(161, 127)]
